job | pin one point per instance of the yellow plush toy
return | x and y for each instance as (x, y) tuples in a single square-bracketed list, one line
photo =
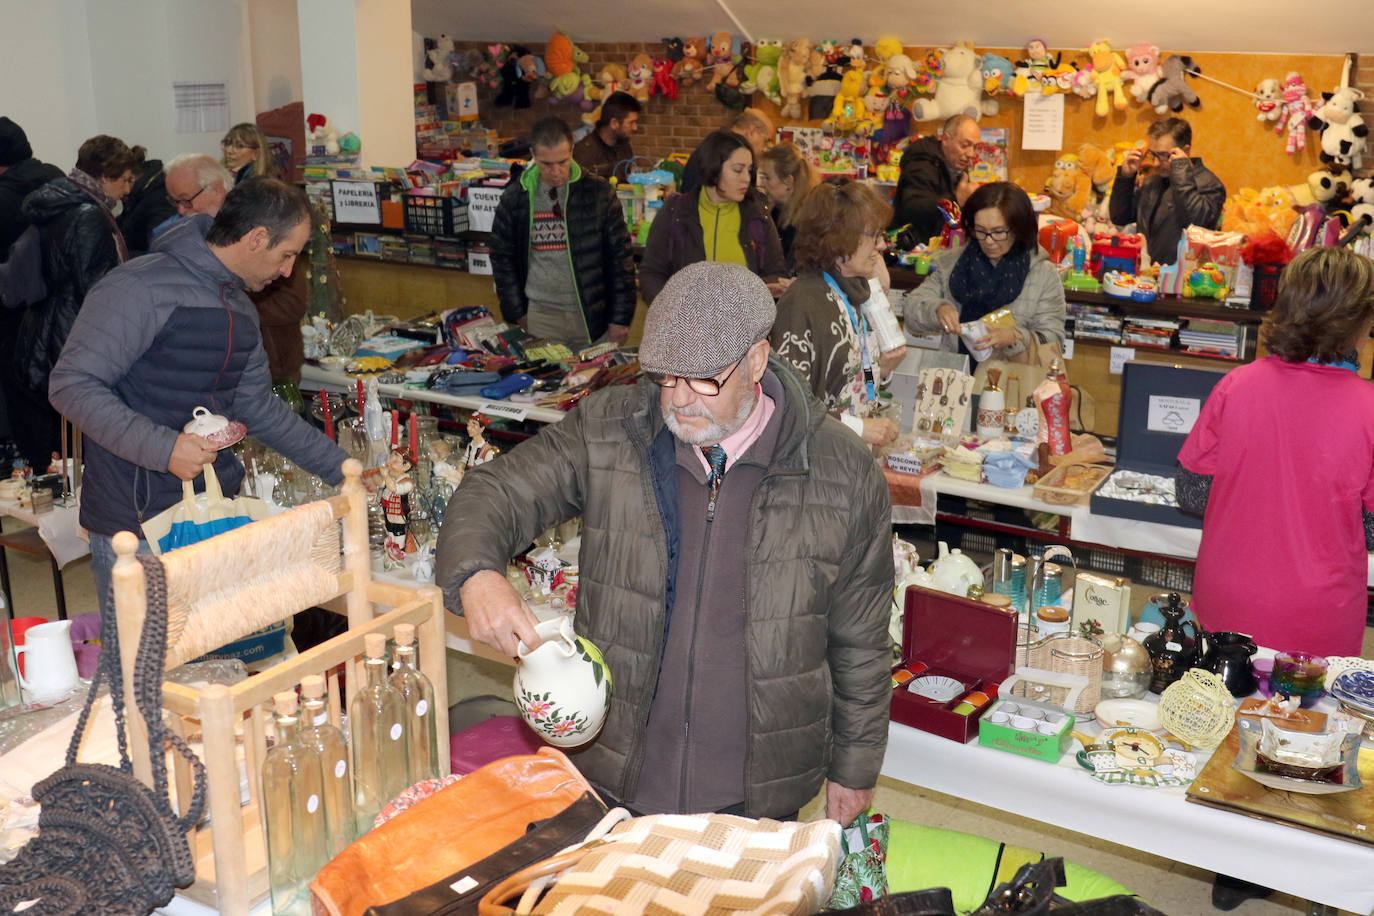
[(1069, 188), (1107, 67), (849, 113)]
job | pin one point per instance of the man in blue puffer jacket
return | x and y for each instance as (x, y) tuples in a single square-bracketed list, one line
[(163, 334)]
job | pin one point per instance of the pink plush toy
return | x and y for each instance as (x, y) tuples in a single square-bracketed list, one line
[(1143, 62), (1297, 107)]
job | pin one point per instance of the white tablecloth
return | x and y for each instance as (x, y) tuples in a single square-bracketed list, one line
[(59, 529), (1157, 820)]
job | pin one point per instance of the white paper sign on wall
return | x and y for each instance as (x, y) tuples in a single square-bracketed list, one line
[(1068, 348), (1121, 356), (356, 202), (482, 207), (1172, 415)]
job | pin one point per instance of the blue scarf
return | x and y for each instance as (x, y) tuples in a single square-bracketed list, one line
[(979, 286)]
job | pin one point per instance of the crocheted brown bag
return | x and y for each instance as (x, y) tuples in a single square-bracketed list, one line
[(106, 842)]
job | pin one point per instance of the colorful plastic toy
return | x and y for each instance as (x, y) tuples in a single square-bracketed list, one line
[(1206, 282)]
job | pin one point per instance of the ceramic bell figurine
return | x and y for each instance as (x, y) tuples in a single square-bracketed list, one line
[(954, 573), (221, 432), (562, 686)]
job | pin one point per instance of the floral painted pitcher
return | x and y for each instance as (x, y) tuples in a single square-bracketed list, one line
[(563, 686)]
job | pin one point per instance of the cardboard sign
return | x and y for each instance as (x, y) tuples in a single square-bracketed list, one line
[(482, 207), (356, 202), (1172, 414)]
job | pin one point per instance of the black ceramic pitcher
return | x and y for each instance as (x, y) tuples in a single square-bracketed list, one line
[(1228, 654)]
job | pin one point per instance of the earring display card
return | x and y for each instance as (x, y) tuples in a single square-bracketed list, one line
[(942, 402)]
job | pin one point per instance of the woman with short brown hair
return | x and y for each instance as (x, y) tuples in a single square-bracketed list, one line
[(1280, 462), (821, 330)]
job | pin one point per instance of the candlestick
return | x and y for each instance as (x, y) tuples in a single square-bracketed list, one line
[(414, 438), (395, 427), (325, 414), (360, 397)]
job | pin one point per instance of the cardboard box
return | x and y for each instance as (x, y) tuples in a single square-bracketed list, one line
[(1159, 405), (972, 642), (1027, 743)]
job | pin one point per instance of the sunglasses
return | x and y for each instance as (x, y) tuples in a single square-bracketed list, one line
[(557, 207)]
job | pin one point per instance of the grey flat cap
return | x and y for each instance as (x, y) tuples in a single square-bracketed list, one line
[(705, 318)]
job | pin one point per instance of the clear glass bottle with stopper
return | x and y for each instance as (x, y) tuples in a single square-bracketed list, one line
[(293, 810), (421, 730), (376, 720), (322, 736)]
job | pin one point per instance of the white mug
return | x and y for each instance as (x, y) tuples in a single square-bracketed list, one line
[(51, 664)]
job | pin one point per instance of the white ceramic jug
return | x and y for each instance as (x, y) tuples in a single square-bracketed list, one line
[(51, 663), (562, 686)]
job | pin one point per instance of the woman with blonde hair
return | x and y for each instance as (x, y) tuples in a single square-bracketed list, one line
[(785, 176), (1280, 463), (821, 330), (246, 153)]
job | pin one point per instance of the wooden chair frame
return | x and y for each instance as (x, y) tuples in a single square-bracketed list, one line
[(231, 864)]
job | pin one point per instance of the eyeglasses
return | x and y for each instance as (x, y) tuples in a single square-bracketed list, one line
[(992, 235), (184, 203), (707, 387), (557, 207), (1161, 157)]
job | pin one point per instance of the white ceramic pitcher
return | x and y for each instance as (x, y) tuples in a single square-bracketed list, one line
[(562, 686), (51, 663)]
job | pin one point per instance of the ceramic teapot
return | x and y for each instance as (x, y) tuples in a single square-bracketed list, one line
[(953, 572), (563, 685)]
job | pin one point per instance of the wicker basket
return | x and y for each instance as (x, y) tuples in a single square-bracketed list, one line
[(1077, 655), (1071, 484)]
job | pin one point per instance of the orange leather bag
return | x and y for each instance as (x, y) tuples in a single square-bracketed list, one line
[(457, 826)]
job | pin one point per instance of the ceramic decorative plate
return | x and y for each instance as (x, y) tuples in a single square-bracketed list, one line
[(1247, 762), (347, 337), (1339, 664), (936, 687), (1355, 684), (1137, 713)]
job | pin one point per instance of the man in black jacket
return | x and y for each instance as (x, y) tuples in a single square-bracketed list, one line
[(20, 173), (1181, 193), (936, 169), (560, 249)]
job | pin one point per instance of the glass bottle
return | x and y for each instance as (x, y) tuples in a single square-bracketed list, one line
[(318, 733), (376, 720), (422, 739), (294, 813), (1172, 651)]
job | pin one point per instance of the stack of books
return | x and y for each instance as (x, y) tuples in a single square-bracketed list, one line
[(1213, 337), (1157, 333), (1094, 322)]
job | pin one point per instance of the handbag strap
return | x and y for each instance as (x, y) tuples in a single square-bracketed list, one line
[(148, 672)]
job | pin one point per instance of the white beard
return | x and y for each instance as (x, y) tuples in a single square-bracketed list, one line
[(714, 431)]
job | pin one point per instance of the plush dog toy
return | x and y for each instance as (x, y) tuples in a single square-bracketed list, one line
[(641, 74), (720, 57), (1268, 100), (1172, 91), (792, 76)]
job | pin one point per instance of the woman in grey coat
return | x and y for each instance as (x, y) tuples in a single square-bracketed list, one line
[(1005, 268)]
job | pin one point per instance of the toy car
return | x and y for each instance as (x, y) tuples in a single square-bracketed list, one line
[(1206, 282)]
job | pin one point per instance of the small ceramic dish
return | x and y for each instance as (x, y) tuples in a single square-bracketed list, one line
[(1138, 713), (221, 432), (332, 362), (936, 687), (1340, 777)]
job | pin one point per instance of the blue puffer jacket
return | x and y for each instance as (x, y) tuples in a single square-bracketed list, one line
[(155, 338)]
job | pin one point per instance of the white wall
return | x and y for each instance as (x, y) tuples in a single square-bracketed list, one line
[(275, 38), (76, 68), (386, 86)]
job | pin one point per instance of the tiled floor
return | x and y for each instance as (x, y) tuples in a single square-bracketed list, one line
[(1176, 889)]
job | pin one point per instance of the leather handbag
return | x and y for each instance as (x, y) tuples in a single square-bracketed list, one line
[(106, 842), (447, 832)]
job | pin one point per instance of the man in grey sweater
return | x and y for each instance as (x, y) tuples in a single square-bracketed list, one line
[(735, 566), (166, 333)]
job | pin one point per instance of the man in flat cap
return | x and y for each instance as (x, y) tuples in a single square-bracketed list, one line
[(735, 570)]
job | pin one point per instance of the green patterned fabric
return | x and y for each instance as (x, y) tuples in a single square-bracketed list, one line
[(919, 857), (862, 874)]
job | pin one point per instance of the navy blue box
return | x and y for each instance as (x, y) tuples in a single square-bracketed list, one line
[(1146, 387)]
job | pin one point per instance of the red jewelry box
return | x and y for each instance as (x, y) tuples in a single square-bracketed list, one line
[(972, 642)]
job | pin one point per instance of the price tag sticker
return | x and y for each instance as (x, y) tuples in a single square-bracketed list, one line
[(505, 411)]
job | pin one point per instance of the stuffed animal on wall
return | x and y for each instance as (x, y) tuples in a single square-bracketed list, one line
[(439, 69), (532, 74), (792, 77), (849, 114), (563, 59), (1330, 189), (762, 74), (1172, 91), (959, 89), (641, 76), (689, 68), (1297, 108), (1081, 82), (1030, 71), (673, 49), (1362, 210), (514, 90), (998, 75), (1107, 67), (1143, 71), (719, 57), (1342, 131), (664, 84), (1069, 188), (485, 65), (1268, 100)]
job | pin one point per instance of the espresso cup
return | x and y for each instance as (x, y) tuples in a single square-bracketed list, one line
[(1022, 723)]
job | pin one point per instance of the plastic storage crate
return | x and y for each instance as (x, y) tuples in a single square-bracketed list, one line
[(435, 215), (1265, 286)]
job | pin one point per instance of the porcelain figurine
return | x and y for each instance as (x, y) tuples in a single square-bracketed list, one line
[(394, 495)]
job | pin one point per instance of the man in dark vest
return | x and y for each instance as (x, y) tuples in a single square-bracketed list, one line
[(163, 334)]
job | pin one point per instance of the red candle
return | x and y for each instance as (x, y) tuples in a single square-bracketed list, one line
[(414, 438), (395, 423), (360, 397), (328, 418)]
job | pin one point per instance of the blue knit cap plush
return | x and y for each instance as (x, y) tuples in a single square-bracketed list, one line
[(705, 318)]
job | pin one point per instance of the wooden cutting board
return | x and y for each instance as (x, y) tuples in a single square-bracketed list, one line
[(1349, 815)]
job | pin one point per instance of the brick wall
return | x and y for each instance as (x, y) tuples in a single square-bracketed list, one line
[(665, 126), (1362, 76)]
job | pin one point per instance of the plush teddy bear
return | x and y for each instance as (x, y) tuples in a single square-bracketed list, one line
[(689, 68), (1107, 67), (1172, 91), (959, 90), (1268, 100), (1142, 69), (641, 77), (439, 69), (322, 135), (792, 77), (719, 57)]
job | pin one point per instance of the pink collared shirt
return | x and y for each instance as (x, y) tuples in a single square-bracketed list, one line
[(738, 442)]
